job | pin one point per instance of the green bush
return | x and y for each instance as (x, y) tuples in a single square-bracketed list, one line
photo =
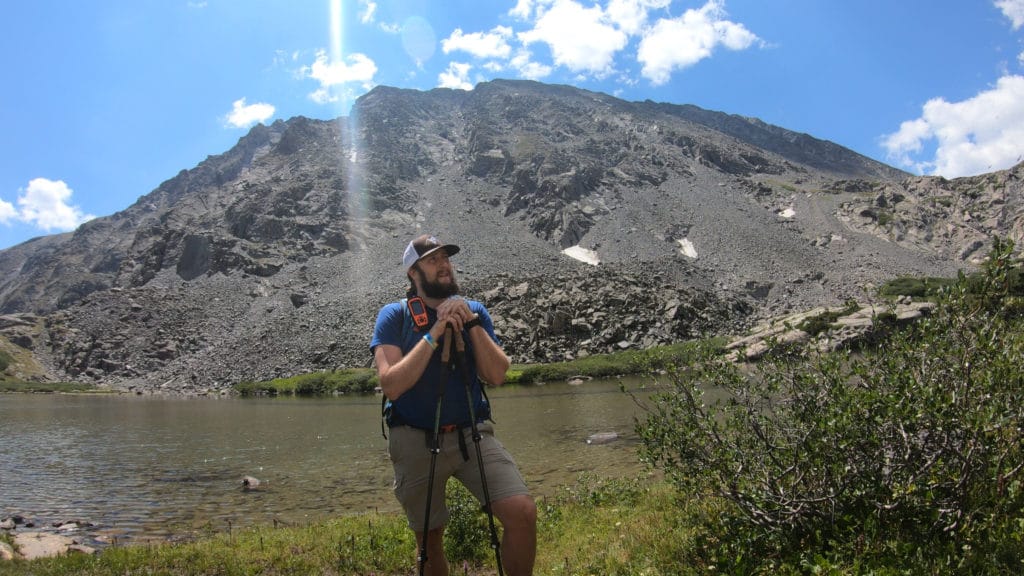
[(909, 454), (468, 532), (822, 322), (5, 360)]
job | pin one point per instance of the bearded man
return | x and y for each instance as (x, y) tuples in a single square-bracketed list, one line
[(406, 343)]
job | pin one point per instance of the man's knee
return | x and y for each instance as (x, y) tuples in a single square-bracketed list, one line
[(516, 510), (435, 538)]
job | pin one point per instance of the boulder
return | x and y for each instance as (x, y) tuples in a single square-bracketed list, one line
[(32, 545)]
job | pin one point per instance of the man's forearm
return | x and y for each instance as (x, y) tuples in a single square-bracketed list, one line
[(399, 377), (491, 361)]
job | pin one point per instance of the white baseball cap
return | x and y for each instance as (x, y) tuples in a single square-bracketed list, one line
[(424, 246)]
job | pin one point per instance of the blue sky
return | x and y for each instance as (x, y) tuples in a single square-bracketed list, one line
[(103, 100)]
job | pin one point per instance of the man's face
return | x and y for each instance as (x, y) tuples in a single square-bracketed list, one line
[(436, 276)]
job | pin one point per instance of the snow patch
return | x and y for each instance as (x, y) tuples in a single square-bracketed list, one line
[(687, 248), (788, 213), (582, 254)]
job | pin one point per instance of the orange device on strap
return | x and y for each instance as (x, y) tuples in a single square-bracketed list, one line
[(419, 312)]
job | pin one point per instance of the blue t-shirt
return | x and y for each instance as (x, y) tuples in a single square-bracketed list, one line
[(417, 406)]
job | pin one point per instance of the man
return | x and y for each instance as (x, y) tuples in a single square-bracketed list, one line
[(407, 347)]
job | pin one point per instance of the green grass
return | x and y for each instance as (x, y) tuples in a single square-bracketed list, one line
[(346, 381), (623, 363), (925, 288), (364, 380), (621, 527), (49, 387), (929, 288), (608, 527)]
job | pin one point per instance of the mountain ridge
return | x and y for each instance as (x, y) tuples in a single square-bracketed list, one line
[(271, 258)]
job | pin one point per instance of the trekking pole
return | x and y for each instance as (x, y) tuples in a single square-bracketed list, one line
[(435, 449), (460, 354)]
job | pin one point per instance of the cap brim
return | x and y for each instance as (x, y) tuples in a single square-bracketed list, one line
[(450, 249)]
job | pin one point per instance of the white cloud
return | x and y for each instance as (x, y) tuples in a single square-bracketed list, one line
[(977, 135), (682, 42), (522, 9), (1012, 9), (367, 12), (631, 15), (456, 76), (7, 212), (333, 76), (528, 68), (44, 204), (588, 37), (589, 47), (243, 115), (493, 44)]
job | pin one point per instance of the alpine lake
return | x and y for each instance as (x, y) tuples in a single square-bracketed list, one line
[(140, 468)]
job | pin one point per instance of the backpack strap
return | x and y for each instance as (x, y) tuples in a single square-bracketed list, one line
[(385, 404)]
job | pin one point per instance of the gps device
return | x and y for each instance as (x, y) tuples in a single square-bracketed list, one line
[(419, 312)]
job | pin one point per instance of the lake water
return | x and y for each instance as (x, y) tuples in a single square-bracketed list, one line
[(141, 467)]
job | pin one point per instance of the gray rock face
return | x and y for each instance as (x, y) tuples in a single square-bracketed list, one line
[(272, 258)]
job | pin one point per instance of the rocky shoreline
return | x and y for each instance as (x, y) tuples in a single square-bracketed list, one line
[(32, 541)]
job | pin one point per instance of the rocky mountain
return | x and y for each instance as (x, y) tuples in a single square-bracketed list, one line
[(587, 223)]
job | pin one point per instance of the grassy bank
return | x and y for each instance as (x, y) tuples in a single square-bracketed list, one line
[(363, 380), (594, 527), (44, 387)]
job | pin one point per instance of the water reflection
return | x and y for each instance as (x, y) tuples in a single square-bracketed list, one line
[(142, 467)]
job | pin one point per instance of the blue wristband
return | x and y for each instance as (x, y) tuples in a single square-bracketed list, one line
[(430, 340)]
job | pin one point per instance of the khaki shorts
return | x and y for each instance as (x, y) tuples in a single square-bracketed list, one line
[(409, 449)]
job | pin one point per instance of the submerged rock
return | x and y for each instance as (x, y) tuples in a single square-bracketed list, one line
[(602, 438)]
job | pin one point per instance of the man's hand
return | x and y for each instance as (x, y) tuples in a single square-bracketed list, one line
[(454, 311)]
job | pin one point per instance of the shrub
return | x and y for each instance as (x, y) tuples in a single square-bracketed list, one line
[(912, 453), (822, 322), (468, 532)]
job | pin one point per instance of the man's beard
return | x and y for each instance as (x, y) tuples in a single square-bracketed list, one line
[(438, 289)]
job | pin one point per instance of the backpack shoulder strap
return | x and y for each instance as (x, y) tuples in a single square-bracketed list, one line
[(385, 404)]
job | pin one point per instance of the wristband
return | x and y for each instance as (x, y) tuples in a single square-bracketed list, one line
[(430, 340), (474, 322)]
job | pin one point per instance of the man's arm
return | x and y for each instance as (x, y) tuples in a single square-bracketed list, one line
[(398, 373), (491, 361)]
